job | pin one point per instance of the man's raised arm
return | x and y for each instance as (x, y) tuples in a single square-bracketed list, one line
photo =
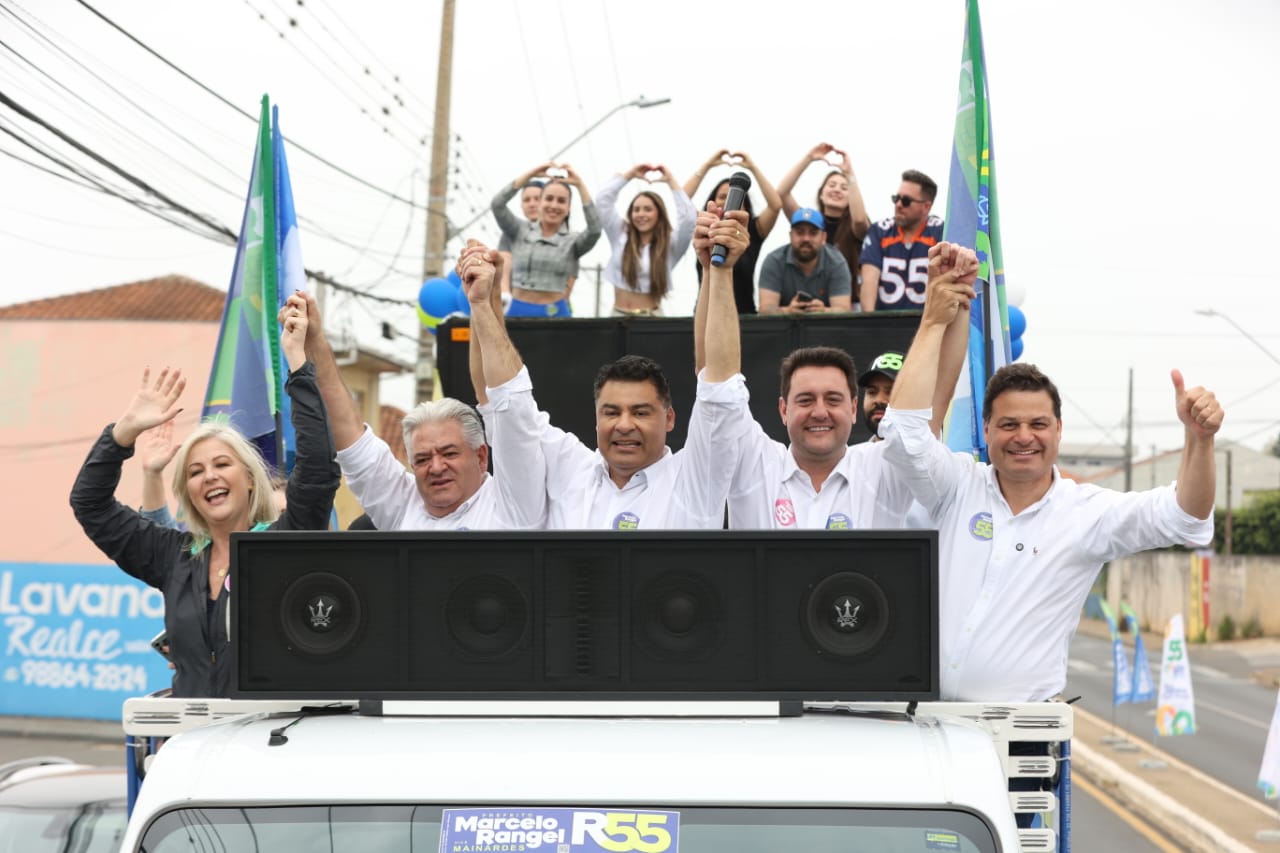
[(952, 271), (1201, 414), (479, 268), (345, 421)]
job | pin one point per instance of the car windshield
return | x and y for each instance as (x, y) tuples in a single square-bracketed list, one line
[(91, 828), (531, 829)]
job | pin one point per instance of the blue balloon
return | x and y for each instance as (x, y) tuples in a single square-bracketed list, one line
[(1015, 347), (1017, 322), (438, 298), (454, 279), (463, 304)]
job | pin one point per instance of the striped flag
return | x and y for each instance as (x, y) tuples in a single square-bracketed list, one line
[(1144, 689), (972, 221), (246, 381), (1121, 677)]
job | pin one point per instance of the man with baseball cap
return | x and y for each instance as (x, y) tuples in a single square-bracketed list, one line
[(808, 276), (877, 384)]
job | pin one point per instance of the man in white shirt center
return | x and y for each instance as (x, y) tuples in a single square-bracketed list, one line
[(632, 480)]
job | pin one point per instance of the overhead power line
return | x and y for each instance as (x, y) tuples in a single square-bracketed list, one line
[(299, 146)]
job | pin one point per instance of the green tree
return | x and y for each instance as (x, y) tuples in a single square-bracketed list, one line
[(1255, 529)]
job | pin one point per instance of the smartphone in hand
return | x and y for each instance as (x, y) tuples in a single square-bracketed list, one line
[(802, 296), (160, 643)]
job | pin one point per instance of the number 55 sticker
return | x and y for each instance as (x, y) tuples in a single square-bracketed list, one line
[(625, 832)]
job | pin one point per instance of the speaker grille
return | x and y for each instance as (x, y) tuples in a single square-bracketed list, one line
[(846, 614), (321, 614), (834, 615)]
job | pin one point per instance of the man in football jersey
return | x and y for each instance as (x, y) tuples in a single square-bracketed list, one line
[(895, 252)]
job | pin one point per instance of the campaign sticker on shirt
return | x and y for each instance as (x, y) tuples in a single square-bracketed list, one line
[(839, 521), (626, 521), (499, 830), (784, 513), (981, 528)]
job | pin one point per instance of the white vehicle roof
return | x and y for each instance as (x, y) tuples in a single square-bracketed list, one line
[(818, 759)]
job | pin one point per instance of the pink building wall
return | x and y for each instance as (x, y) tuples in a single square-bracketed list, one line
[(61, 382)]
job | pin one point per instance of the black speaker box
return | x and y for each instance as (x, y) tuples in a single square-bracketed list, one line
[(563, 356), (816, 615)]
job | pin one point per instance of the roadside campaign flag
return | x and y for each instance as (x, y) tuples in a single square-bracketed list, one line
[(1144, 690), (972, 221), (1269, 773), (1176, 707), (246, 381), (1122, 679)]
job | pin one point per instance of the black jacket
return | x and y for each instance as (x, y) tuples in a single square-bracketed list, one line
[(161, 557)]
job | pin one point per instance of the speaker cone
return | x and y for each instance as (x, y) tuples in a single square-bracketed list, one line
[(487, 616), (678, 616), (320, 614), (846, 614)]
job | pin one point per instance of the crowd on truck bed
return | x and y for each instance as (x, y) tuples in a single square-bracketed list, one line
[(1015, 536)]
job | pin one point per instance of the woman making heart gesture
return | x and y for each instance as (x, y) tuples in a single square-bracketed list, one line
[(646, 244), (545, 253), (839, 201), (758, 225)]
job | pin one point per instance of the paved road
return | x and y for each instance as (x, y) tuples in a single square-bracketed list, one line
[(1233, 712)]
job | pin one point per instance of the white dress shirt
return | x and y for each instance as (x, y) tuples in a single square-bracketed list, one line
[(1013, 586), (682, 490), (769, 491), (389, 494)]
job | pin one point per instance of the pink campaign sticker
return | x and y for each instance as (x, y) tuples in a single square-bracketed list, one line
[(784, 513)]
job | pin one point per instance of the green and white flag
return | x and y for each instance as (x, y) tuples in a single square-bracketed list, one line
[(1176, 705)]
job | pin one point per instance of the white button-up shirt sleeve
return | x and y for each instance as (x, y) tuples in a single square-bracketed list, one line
[(717, 425), (1117, 524), (533, 461), (382, 485), (933, 473)]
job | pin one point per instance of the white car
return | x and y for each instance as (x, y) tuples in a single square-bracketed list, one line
[(589, 777), (54, 804)]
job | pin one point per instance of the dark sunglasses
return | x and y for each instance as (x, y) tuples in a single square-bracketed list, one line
[(905, 200)]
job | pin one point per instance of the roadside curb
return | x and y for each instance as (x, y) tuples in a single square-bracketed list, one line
[(1193, 809), (58, 728), (1183, 826)]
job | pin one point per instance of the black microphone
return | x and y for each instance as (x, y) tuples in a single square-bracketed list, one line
[(739, 183)]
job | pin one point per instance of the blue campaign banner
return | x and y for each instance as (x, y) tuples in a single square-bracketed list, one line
[(497, 830), (77, 640)]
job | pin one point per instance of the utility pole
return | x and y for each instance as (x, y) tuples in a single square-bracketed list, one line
[(437, 196), (1128, 440), (1226, 537)]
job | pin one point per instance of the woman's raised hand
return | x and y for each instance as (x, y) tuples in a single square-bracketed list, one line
[(155, 403)]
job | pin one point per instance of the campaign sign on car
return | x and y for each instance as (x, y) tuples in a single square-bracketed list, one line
[(558, 830)]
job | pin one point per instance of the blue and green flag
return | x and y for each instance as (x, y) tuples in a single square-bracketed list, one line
[(246, 382), (972, 221)]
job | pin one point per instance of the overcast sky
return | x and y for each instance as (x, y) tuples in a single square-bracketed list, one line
[(1135, 150)]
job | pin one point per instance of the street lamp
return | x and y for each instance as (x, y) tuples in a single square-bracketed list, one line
[(642, 102), (1211, 312)]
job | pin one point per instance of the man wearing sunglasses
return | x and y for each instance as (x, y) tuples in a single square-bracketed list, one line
[(895, 252)]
